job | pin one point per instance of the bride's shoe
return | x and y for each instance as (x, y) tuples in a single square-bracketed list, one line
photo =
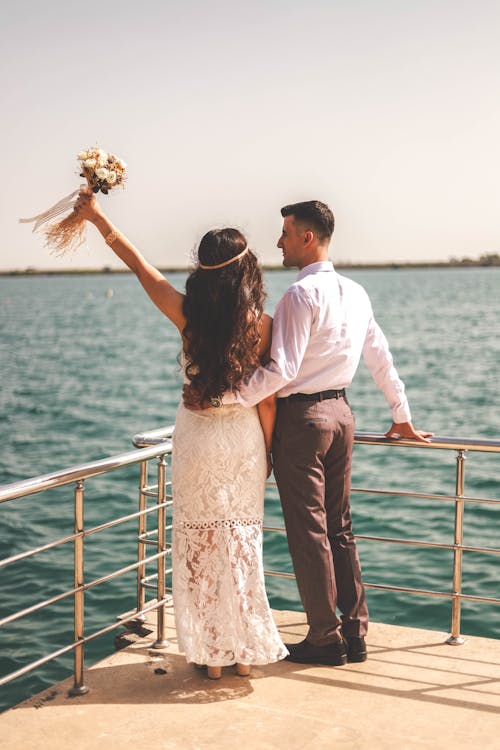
[(214, 673), (243, 670)]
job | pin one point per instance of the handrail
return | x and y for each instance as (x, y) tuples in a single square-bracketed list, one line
[(154, 437), (461, 446), (43, 482), (447, 443), (156, 444), (77, 475)]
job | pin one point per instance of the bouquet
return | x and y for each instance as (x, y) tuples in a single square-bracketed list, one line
[(103, 172)]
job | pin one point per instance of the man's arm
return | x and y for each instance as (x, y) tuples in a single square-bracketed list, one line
[(290, 337), (267, 416), (378, 357), (291, 333)]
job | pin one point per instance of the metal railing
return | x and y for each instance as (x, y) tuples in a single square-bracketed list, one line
[(157, 445), (77, 476)]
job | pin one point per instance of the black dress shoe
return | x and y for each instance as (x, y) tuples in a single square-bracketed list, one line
[(356, 649), (333, 654)]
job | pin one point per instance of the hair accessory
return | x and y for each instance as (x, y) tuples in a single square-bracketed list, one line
[(111, 237), (226, 262)]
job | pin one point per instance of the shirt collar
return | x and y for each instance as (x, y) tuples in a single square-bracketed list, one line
[(318, 267)]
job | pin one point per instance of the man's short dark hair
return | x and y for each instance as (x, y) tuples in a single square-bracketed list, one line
[(314, 214)]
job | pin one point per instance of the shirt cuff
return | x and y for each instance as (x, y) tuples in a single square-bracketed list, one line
[(401, 413)]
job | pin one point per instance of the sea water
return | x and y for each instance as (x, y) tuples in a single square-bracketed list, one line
[(87, 361)]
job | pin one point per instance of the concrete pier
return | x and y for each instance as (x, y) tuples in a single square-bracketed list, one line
[(413, 692)]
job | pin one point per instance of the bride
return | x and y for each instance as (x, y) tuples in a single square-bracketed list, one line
[(221, 455)]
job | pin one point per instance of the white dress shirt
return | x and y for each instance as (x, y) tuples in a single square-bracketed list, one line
[(322, 326)]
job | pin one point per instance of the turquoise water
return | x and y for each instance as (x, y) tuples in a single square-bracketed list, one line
[(83, 370)]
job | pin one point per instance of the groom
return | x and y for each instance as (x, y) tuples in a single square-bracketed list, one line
[(322, 326)]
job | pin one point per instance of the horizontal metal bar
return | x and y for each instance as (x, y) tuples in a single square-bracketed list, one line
[(410, 542), (38, 663), (277, 529), (404, 493), (403, 589), (426, 592), (82, 471), (482, 550), (475, 598), (153, 437), (151, 542), (424, 495), (126, 569), (279, 574), (152, 493), (153, 586), (88, 532), (437, 442), (36, 607), (85, 587), (123, 621), (407, 590), (122, 519), (153, 487), (36, 550), (95, 468), (65, 649), (154, 576)]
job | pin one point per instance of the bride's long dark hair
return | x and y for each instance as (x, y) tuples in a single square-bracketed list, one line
[(222, 307)]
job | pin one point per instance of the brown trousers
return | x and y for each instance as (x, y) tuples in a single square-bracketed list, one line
[(312, 454)]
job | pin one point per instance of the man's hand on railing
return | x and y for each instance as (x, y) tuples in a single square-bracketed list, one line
[(407, 430)]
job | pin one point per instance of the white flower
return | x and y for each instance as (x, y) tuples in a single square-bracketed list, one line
[(102, 158), (82, 156), (102, 173), (90, 163), (111, 178), (121, 164)]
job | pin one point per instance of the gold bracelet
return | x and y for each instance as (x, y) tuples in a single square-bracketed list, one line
[(111, 237)]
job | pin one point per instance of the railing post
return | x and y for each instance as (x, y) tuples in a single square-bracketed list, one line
[(455, 638), (161, 640), (141, 547), (78, 687)]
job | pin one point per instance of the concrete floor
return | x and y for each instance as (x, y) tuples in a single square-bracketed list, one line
[(413, 692)]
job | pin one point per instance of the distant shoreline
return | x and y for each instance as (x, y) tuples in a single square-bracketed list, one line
[(486, 261)]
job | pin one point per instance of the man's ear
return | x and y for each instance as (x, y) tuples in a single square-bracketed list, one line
[(308, 237)]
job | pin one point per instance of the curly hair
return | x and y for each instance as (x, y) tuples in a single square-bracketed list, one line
[(222, 308)]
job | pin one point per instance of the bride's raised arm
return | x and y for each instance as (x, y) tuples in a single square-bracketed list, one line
[(162, 293)]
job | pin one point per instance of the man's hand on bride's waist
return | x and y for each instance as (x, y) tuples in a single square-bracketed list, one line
[(191, 399)]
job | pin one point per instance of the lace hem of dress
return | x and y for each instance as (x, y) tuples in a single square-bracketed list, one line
[(231, 523)]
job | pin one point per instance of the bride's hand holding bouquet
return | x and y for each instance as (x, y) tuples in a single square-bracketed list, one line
[(88, 208), (103, 171)]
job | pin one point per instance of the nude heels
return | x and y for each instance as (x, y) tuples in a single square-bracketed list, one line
[(214, 673), (243, 670)]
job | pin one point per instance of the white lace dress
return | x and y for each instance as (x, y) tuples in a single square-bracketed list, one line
[(221, 610)]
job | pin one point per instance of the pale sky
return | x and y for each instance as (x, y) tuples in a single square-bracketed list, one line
[(387, 110)]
